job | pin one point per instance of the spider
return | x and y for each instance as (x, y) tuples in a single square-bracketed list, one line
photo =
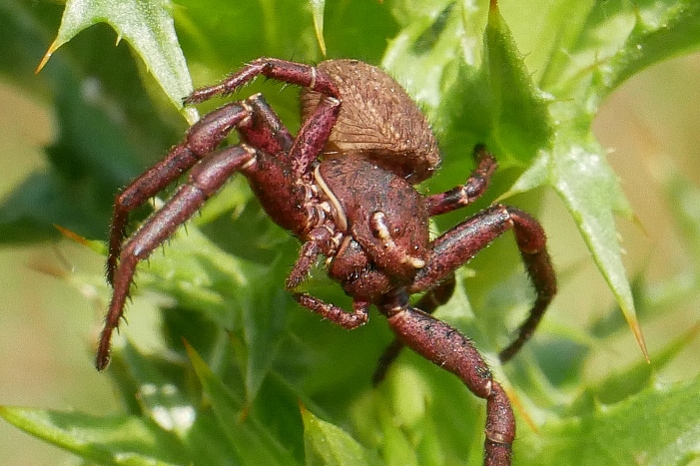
[(344, 186)]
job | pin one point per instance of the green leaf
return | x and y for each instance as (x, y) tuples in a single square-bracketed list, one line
[(230, 291), (328, 445), (429, 40), (474, 84), (253, 442), (663, 420), (579, 72), (519, 117), (117, 440), (661, 30), (148, 26), (317, 13), (595, 46)]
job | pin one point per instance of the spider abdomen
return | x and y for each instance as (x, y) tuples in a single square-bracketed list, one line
[(377, 120)]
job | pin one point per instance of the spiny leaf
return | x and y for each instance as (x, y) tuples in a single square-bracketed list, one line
[(148, 26), (520, 122), (655, 29), (591, 192)]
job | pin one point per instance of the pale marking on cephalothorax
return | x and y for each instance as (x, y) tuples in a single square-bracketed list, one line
[(341, 220), (381, 231)]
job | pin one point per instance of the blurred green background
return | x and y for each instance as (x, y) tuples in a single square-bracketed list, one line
[(47, 328)]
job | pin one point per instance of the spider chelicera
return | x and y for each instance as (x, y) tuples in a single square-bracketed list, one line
[(344, 187)]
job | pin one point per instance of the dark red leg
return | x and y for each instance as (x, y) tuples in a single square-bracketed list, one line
[(204, 180), (471, 190), (449, 349), (273, 68), (313, 135), (265, 130), (533, 249), (314, 132), (347, 320), (460, 244), (318, 240), (202, 138), (433, 299), (307, 257), (258, 125)]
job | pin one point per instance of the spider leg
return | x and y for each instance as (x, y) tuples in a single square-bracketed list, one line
[(205, 179), (347, 320), (315, 131), (265, 130), (313, 135), (280, 184), (434, 298), (475, 186), (257, 124), (272, 68), (307, 256), (460, 244), (446, 347), (202, 138)]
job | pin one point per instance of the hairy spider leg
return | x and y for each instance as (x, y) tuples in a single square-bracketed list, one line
[(261, 128), (265, 130), (475, 186), (429, 302), (205, 135), (531, 241), (314, 131), (318, 240), (335, 314), (272, 68), (257, 123), (205, 179), (446, 347), (201, 138), (457, 246), (313, 135)]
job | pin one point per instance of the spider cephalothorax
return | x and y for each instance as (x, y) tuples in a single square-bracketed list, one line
[(344, 186)]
